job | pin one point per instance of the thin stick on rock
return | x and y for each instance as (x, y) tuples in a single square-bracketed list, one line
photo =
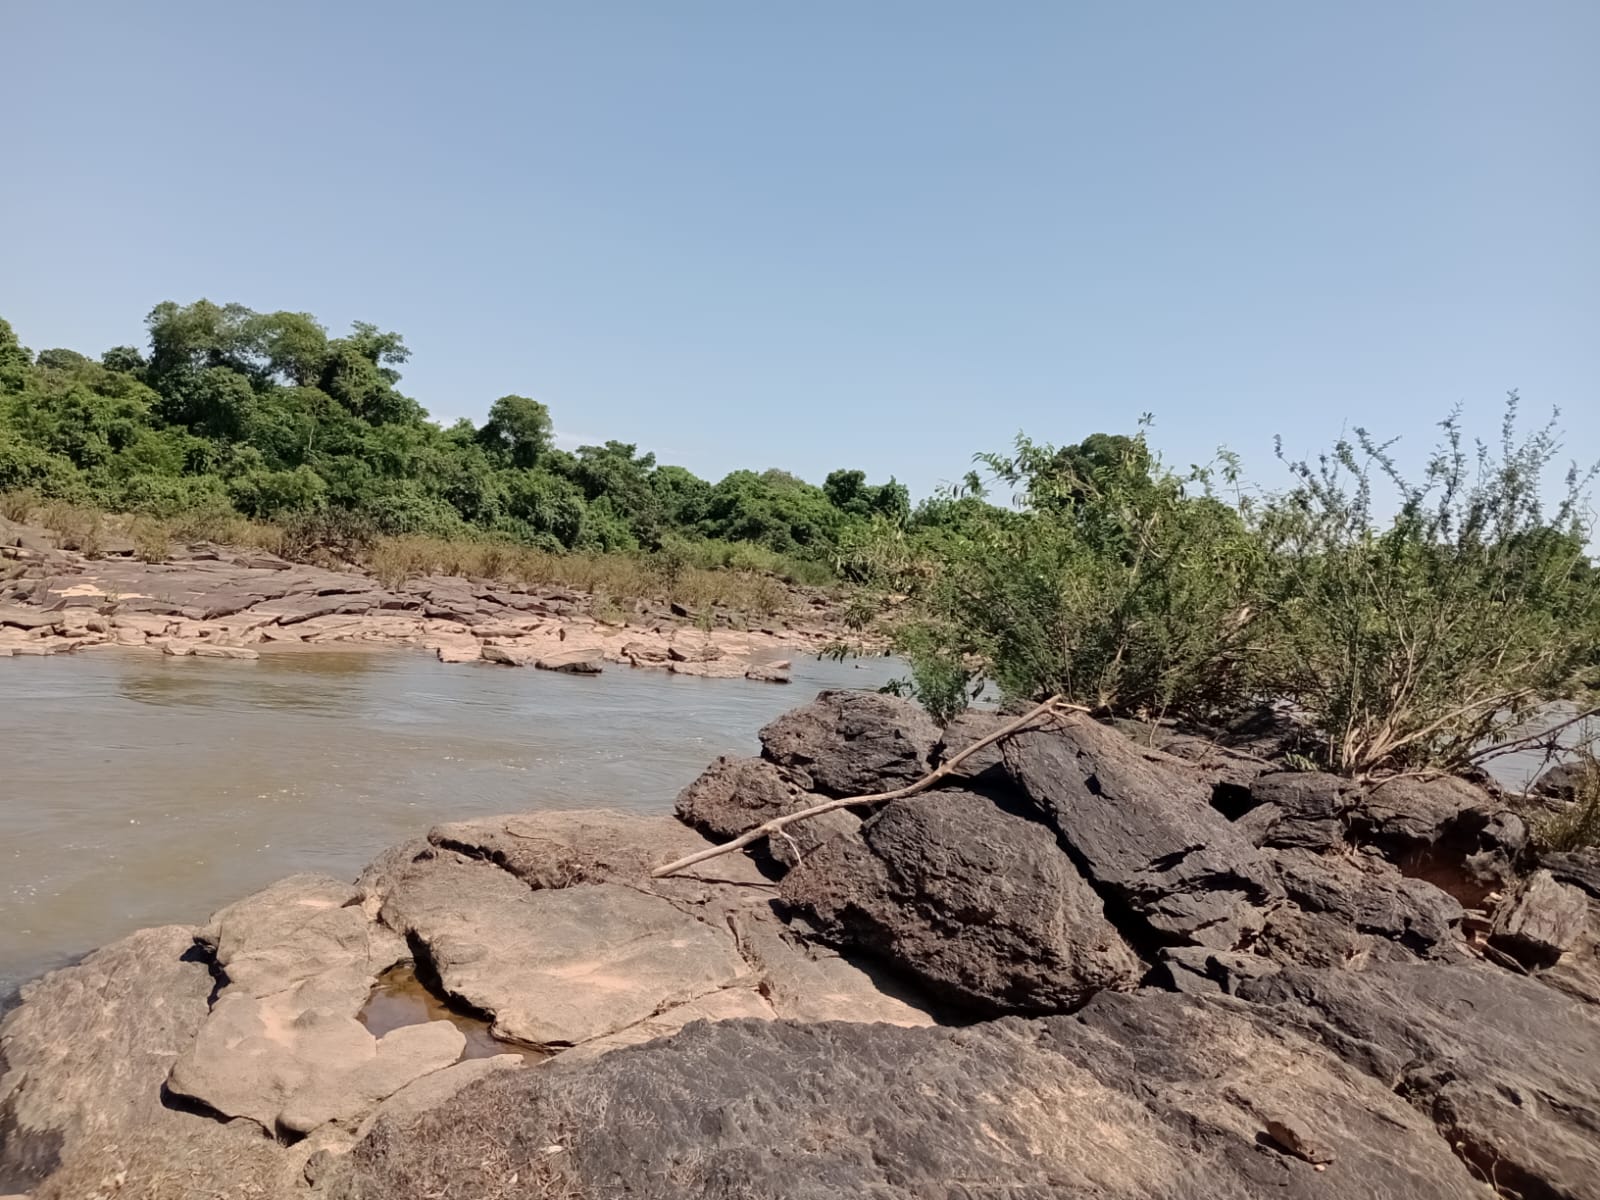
[(776, 825)]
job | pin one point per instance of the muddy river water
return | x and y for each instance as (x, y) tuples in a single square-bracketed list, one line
[(137, 789)]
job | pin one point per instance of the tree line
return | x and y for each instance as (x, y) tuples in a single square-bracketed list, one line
[(268, 415)]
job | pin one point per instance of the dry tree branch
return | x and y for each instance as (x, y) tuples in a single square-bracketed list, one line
[(776, 825)]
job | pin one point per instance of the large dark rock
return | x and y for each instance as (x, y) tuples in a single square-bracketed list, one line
[(734, 795), (1409, 812), (852, 743), (1507, 1068), (1142, 829), (1149, 1097), (1299, 809), (979, 904), (1371, 899), (1562, 781), (965, 728)]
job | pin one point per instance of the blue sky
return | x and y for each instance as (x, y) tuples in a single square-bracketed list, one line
[(876, 234)]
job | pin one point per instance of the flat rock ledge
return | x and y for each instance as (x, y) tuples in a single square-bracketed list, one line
[(209, 601), (1088, 965)]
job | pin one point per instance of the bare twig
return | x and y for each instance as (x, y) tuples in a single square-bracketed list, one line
[(1539, 737), (776, 825)]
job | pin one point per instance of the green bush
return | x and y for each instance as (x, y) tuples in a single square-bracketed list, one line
[(1115, 583), (1425, 639), (1421, 640)]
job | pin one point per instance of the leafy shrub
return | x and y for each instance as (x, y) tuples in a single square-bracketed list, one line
[(1423, 640), (1116, 584)]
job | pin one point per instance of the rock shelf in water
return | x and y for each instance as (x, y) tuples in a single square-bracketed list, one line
[(219, 602)]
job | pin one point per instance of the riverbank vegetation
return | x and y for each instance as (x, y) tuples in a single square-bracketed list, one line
[(1419, 640), (229, 413), (1406, 623)]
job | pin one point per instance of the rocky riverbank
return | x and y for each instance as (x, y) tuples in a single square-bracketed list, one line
[(1085, 964), (220, 602)]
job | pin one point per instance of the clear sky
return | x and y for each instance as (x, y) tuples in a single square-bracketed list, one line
[(830, 234)]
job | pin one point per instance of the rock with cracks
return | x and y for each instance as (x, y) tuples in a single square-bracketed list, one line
[(1142, 1097), (1143, 831), (977, 903), (734, 795), (556, 967), (852, 743), (1539, 919), (1504, 1066)]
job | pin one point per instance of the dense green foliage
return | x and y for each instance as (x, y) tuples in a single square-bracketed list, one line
[(1420, 640), (267, 415)]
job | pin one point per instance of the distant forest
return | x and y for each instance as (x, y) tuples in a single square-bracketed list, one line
[(266, 415)]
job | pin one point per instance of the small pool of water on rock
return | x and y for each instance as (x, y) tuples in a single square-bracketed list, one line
[(401, 999)]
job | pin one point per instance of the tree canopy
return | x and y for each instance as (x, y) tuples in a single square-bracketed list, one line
[(270, 415)]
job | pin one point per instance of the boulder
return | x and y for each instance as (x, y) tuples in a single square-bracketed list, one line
[(722, 668), (1502, 1064), (255, 1052), (1144, 833), (560, 849), (968, 726), (1136, 1097), (734, 795), (1299, 809), (1539, 919), (458, 650), (1201, 972), (1581, 868), (978, 904), (508, 656), (693, 650), (1372, 899), (555, 967), (806, 982), (29, 619), (295, 929), (433, 1089), (84, 1055), (1410, 812), (645, 654), (1560, 782), (852, 743)]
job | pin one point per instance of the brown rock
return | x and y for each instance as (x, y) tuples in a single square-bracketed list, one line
[(1539, 919), (571, 662)]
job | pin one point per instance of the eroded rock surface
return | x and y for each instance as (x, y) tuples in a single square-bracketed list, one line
[(1505, 1066), (557, 967), (978, 903), (1144, 833), (1151, 1096), (852, 743)]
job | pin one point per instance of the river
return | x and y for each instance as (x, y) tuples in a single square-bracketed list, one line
[(138, 789)]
